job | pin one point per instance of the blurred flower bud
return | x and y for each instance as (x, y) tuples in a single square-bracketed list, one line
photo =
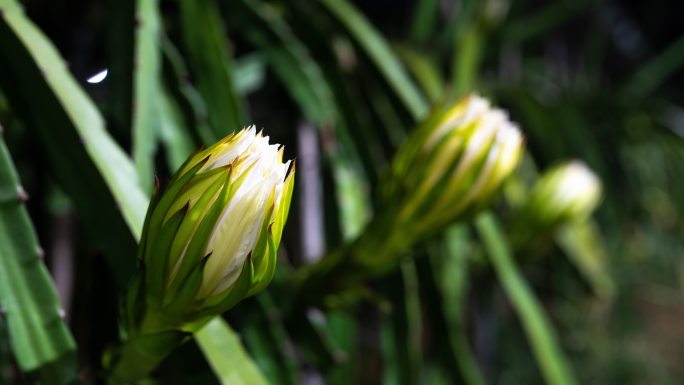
[(453, 164), (447, 169), (210, 239), (566, 192)]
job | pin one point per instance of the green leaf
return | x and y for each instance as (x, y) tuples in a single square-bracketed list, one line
[(424, 20), (146, 89), (424, 69), (553, 363), (377, 49), (288, 57), (174, 133), (405, 324), (92, 169), (452, 276), (187, 98), (226, 355), (656, 71), (83, 116), (38, 335), (211, 64)]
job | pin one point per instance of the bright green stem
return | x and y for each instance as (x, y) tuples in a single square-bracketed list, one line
[(139, 356), (553, 363), (144, 350)]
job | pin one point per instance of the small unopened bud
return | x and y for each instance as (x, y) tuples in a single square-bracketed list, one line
[(566, 192)]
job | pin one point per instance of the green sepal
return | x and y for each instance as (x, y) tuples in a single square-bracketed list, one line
[(195, 230), (157, 258), (284, 207), (415, 185), (195, 187), (188, 290), (410, 148), (205, 229), (168, 197), (221, 302), (259, 251), (142, 247), (134, 305), (260, 281), (445, 212)]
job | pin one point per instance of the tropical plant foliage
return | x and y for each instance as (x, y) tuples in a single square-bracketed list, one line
[(499, 296)]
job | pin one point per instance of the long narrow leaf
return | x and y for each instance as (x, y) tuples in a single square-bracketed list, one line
[(375, 46), (553, 363), (38, 335), (146, 89), (89, 165), (289, 59), (452, 276), (226, 355), (211, 64)]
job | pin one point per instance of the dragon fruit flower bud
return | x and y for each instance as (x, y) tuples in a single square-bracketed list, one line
[(210, 239), (454, 163), (568, 191)]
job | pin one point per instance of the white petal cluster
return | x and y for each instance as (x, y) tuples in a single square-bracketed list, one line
[(239, 226), (568, 191), (576, 188)]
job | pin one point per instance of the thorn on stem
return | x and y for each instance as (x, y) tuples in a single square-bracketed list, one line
[(22, 195)]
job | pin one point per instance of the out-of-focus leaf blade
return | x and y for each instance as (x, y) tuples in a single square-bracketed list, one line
[(289, 59), (451, 274), (655, 72), (582, 244), (229, 360), (146, 87), (424, 70), (424, 17), (187, 98), (211, 64), (375, 46), (267, 340), (173, 131), (553, 363)]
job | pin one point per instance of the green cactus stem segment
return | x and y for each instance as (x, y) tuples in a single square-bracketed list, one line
[(143, 351), (374, 253)]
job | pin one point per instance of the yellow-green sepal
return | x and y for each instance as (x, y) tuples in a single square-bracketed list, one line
[(161, 207), (219, 303), (268, 268), (156, 260), (195, 232), (185, 295), (283, 209)]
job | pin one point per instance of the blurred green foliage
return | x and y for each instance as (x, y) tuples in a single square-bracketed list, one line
[(340, 84)]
